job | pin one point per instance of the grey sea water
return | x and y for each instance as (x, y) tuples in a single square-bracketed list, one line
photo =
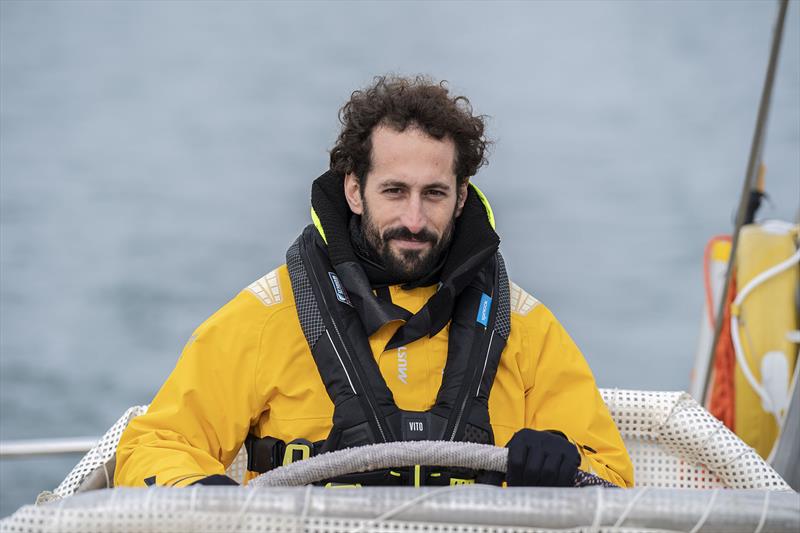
[(156, 157)]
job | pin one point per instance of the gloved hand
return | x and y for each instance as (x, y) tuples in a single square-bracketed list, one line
[(540, 458)]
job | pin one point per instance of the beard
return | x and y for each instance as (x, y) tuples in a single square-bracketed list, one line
[(406, 266)]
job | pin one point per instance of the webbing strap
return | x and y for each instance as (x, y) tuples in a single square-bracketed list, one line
[(365, 411)]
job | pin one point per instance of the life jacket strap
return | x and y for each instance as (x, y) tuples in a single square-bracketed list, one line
[(266, 453)]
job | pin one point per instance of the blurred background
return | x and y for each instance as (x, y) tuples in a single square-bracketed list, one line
[(156, 157)]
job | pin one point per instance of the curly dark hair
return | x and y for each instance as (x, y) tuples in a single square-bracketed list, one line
[(401, 102)]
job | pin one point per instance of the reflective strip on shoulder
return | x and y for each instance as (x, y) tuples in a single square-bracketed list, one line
[(267, 289), (522, 303)]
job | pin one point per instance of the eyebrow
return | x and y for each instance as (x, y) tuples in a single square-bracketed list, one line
[(403, 185)]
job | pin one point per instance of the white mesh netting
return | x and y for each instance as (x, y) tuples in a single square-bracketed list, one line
[(462, 509), (674, 444), (97, 459), (672, 441)]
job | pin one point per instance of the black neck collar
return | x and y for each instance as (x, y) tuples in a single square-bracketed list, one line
[(474, 242)]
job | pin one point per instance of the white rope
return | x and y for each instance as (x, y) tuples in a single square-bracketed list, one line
[(110, 507), (598, 512), (304, 512), (405, 505), (719, 427), (764, 509), (58, 515), (192, 504), (706, 512), (147, 497), (629, 507), (239, 518), (108, 478), (765, 275)]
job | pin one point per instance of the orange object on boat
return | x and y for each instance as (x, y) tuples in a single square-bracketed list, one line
[(722, 403)]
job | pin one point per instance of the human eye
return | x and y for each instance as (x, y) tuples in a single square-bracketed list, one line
[(436, 193)]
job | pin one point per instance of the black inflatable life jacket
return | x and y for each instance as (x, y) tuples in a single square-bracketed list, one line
[(364, 408), (338, 312)]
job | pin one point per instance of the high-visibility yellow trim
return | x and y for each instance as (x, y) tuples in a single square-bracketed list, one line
[(417, 476), (485, 202), (288, 456), (333, 485), (458, 481), (393, 473), (436, 474), (318, 225)]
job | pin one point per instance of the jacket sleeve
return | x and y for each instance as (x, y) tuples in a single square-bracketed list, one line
[(197, 422), (561, 395)]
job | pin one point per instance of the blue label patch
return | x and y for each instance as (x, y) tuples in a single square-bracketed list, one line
[(483, 310), (341, 294)]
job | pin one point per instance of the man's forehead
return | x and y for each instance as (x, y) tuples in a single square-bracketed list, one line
[(412, 155)]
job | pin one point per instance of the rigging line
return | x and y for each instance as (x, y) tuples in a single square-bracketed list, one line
[(240, 517), (764, 510), (753, 163), (301, 520), (598, 512), (193, 506), (405, 505), (629, 507), (706, 512)]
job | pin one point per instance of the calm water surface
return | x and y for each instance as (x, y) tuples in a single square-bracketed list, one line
[(155, 158)]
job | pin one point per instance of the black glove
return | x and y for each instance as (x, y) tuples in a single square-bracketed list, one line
[(216, 479), (539, 458)]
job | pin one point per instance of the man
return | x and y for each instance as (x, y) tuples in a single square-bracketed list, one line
[(394, 307)]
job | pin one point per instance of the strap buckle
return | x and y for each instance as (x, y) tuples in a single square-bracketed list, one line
[(263, 453), (297, 450)]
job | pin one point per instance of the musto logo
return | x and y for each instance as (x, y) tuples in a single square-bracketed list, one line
[(402, 365)]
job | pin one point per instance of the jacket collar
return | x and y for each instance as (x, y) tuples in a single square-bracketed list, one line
[(474, 242)]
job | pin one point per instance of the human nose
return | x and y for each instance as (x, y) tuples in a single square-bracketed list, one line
[(414, 215)]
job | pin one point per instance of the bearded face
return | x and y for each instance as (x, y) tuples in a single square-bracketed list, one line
[(409, 262), (409, 200)]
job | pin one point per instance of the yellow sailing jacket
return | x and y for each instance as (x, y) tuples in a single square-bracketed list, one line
[(248, 368)]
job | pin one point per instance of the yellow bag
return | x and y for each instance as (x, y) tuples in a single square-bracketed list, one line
[(766, 316)]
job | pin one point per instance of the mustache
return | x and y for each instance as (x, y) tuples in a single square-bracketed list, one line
[(402, 232)]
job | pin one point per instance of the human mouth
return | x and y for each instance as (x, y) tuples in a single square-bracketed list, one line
[(412, 244), (408, 239)]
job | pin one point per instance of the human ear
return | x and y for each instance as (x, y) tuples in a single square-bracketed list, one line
[(461, 198), (352, 192)]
